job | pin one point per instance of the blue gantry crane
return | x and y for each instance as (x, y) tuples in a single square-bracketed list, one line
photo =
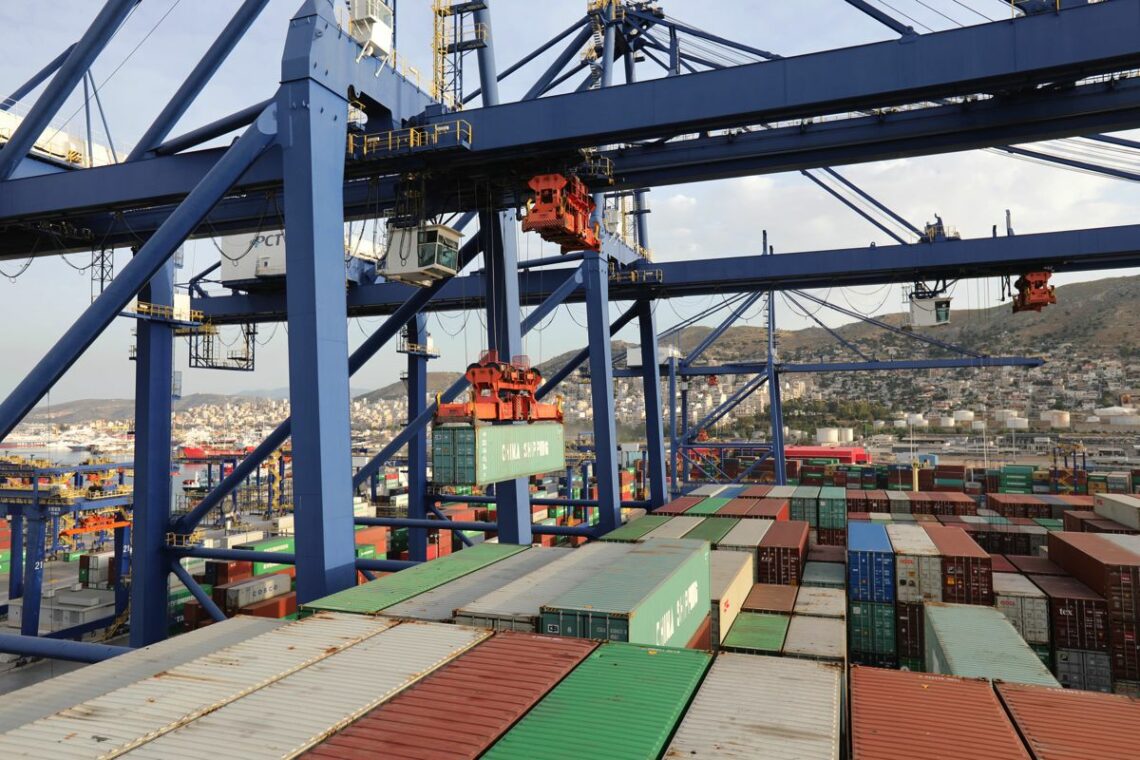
[(417, 155)]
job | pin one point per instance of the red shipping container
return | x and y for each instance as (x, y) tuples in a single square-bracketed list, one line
[(679, 505), (819, 553), (1108, 569), (219, 573), (832, 536), (770, 598), (1078, 616), (373, 536), (921, 503), (1074, 520), (771, 509), (1001, 564), (1027, 565), (782, 553), (277, 607), (877, 501), (1063, 724), (1101, 525), (858, 517), (738, 507), (910, 637), (702, 639), (967, 572), (755, 492)]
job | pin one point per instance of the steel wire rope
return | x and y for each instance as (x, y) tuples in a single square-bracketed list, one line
[(853, 307), (271, 335), (122, 63), (260, 222), (940, 13), (972, 10)]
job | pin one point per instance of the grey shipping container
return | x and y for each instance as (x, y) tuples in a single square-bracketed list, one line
[(257, 589), (753, 706), (918, 564), (676, 527), (979, 642), (658, 594), (1024, 604), (824, 575), (731, 575), (816, 638), (441, 602), (517, 606), (898, 502), (1080, 669), (706, 490), (781, 492), (821, 602)]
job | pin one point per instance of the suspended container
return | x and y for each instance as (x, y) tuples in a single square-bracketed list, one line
[(466, 455)]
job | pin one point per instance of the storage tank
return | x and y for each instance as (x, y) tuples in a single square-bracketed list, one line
[(900, 424), (945, 422), (915, 419), (963, 415), (1017, 423), (827, 435), (978, 425), (879, 424), (1092, 419), (1001, 415), (1060, 419), (846, 435), (921, 422)]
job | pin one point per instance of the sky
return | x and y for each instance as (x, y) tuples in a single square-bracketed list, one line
[(163, 39)]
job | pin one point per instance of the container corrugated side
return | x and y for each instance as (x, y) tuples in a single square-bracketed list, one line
[(61, 692), (757, 632), (517, 605), (1024, 604), (707, 507), (441, 602), (116, 721), (295, 712), (753, 706), (635, 529), (901, 715), (1118, 507), (816, 638), (745, 536), (460, 710), (1094, 727), (821, 602), (918, 564), (870, 563), (629, 697), (712, 529), (979, 642), (771, 597), (377, 595), (674, 527), (731, 576), (658, 594)]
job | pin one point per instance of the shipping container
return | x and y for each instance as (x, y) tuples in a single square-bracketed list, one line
[(825, 575), (757, 632), (652, 687), (679, 505), (910, 633), (440, 603), (871, 628), (706, 490), (733, 715), (1076, 669), (674, 527), (1034, 565), (967, 574), (370, 598), (832, 508), (707, 507), (918, 564), (979, 642), (711, 529), (1118, 508), (461, 709), (771, 597), (245, 593), (464, 455), (805, 505), (1024, 604), (1078, 616), (781, 492), (899, 715), (870, 564), (1096, 726), (745, 537), (816, 638), (783, 551), (517, 605), (821, 602), (738, 507), (771, 509), (755, 492), (635, 529), (730, 581), (1107, 568), (657, 594)]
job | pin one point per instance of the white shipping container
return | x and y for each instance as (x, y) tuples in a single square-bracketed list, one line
[(440, 603), (706, 490), (516, 605), (1116, 506), (815, 601), (918, 564), (732, 575), (781, 492), (676, 527), (256, 590), (816, 638), (1024, 604), (751, 706)]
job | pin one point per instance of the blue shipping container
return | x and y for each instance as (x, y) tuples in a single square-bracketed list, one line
[(870, 563), (731, 492)]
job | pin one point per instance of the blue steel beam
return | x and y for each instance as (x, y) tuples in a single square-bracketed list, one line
[(675, 25), (854, 207), (146, 263), (582, 356), (839, 338), (418, 445), (1069, 251), (58, 649), (548, 76), (775, 402), (203, 71), (749, 368), (109, 19), (216, 128), (883, 18), (729, 404), (37, 79), (651, 389), (528, 58), (720, 329), (197, 592)]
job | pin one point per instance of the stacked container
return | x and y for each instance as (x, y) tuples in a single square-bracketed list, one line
[(1027, 608), (731, 575), (979, 642), (918, 579), (871, 595), (805, 505), (832, 516), (782, 553), (967, 571)]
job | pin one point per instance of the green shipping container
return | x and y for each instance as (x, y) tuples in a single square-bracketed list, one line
[(833, 507), (367, 551), (979, 642), (484, 454), (635, 529), (754, 632), (706, 507), (910, 663), (373, 597), (804, 505), (711, 529), (657, 594), (631, 699), (871, 627), (281, 544)]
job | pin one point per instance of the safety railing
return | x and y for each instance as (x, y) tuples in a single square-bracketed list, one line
[(448, 134), (159, 311)]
